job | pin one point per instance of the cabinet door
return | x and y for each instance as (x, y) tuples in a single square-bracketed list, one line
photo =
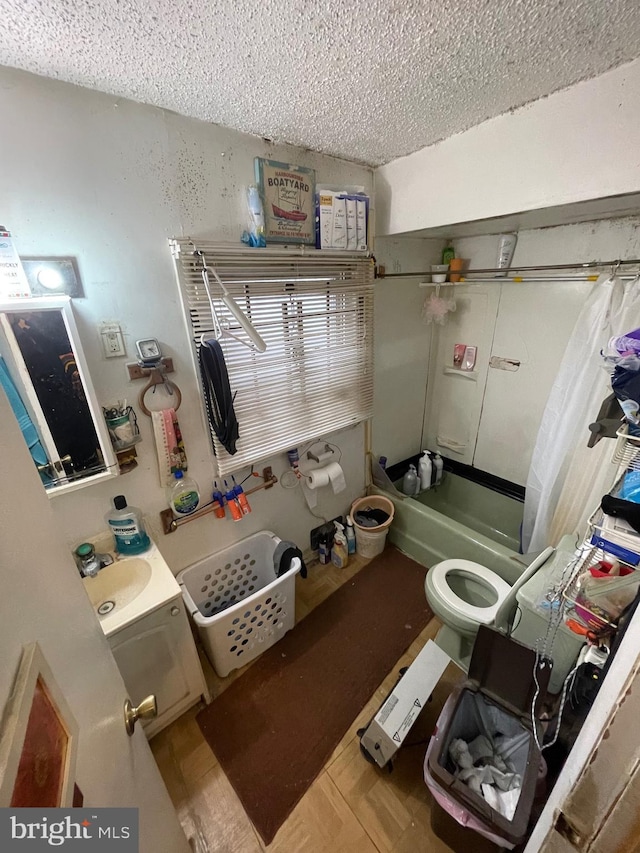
[(157, 655)]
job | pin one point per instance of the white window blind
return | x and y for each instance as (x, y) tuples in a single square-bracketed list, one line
[(314, 310)]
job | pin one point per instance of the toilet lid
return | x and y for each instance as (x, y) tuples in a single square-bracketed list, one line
[(483, 615)]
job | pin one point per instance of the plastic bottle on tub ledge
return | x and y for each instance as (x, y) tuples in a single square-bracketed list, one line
[(424, 468), (439, 465), (410, 481)]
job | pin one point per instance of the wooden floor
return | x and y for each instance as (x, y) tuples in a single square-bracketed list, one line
[(351, 806)]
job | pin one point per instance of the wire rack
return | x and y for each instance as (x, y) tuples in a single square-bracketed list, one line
[(590, 612), (627, 450)]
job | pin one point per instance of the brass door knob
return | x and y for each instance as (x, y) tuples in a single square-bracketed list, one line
[(146, 710)]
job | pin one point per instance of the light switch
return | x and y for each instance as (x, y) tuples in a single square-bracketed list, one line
[(112, 340)]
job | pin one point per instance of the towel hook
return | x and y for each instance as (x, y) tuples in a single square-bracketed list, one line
[(158, 377)]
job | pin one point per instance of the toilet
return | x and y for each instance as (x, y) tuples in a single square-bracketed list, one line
[(464, 595)]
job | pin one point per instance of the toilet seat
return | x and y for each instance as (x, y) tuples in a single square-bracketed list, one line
[(482, 615)]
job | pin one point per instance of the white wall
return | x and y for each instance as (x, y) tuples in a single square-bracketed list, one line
[(109, 181), (402, 347), (574, 145), (529, 322)]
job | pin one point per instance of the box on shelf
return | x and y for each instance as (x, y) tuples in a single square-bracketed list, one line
[(342, 216), (616, 537)]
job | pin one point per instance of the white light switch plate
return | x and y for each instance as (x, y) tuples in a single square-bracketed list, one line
[(112, 340)]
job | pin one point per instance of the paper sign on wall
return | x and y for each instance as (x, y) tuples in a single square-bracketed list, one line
[(288, 194), (13, 281)]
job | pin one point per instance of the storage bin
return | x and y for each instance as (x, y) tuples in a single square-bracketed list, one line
[(536, 612), (370, 541), (500, 689), (238, 604)]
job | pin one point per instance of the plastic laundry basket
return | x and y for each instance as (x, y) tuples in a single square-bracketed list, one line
[(370, 541), (236, 601)]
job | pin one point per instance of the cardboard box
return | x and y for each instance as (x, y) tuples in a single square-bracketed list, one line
[(352, 207), (616, 537), (384, 735)]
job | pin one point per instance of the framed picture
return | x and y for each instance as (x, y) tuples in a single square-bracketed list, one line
[(39, 740), (288, 201)]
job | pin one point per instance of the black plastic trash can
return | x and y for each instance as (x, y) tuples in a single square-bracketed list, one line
[(499, 692)]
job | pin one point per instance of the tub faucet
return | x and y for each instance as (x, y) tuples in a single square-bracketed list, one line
[(89, 563)]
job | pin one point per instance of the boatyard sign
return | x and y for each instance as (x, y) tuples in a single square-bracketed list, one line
[(288, 198)]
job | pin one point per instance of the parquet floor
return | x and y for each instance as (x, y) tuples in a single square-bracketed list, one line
[(352, 806)]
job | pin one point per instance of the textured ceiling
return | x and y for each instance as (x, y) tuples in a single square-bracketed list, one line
[(368, 81)]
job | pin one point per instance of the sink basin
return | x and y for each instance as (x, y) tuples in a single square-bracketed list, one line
[(130, 588), (117, 585)]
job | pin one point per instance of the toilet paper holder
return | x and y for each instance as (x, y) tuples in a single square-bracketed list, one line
[(320, 453)]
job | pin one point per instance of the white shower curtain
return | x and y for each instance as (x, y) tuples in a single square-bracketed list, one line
[(566, 479)]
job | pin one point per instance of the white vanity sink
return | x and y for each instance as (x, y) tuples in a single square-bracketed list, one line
[(141, 610), (130, 587)]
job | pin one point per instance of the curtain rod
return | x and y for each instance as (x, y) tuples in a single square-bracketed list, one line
[(381, 272)]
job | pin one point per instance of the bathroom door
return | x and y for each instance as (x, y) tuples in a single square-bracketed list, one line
[(44, 602)]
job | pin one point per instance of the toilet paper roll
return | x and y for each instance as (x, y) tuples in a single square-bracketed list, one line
[(311, 497), (331, 474)]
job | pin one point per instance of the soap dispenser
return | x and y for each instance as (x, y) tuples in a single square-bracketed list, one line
[(424, 467), (410, 481), (438, 464)]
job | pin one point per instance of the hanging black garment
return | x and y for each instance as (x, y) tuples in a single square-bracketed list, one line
[(217, 395)]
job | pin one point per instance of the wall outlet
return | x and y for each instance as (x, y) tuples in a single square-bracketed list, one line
[(112, 340), (315, 533)]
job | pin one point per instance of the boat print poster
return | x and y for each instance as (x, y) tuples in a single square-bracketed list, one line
[(288, 199)]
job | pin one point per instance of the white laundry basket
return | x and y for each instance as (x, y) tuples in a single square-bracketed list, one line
[(237, 602)]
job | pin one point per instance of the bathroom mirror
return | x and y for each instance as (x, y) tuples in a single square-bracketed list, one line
[(44, 374)]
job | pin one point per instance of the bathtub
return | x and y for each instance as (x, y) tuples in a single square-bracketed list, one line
[(459, 518)]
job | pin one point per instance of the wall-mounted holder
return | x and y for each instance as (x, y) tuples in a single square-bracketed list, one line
[(320, 452), (156, 374), (170, 524), (124, 432)]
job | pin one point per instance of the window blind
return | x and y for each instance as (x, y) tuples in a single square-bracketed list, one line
[(314, 310)]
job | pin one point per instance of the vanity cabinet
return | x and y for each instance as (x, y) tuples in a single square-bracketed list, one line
[(157, 654)]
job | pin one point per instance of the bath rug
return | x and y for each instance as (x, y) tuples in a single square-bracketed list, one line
[(275, 727)]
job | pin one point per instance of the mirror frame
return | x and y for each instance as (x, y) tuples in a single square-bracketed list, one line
[(61, 304)]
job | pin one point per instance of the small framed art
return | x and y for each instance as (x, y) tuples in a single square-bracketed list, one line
[(39, 740), (288, 200)]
